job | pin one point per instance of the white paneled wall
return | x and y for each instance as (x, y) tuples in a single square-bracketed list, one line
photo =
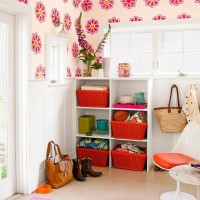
[(50, 118), (51, 114), (161, 91)]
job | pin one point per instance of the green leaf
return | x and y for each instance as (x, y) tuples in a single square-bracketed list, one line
[(97, 65), (90, 57)]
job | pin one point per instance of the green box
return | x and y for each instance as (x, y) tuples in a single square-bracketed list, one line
[(86, 123)]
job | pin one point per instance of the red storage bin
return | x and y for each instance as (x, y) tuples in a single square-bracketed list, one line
[(93, 98), (128, 130), (131, 161), (99, 157)]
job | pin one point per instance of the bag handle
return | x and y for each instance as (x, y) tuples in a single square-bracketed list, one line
[(59, 151), (169, 108), (49, 149)]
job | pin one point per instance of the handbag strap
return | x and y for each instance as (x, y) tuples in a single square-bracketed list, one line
[(59, 151), (169, 107), (50, 149)]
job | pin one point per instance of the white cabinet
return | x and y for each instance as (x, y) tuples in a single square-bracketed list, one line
[(117, 88)]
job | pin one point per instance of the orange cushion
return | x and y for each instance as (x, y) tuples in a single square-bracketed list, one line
[(169, 160)]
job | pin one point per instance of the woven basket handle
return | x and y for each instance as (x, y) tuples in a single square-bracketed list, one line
[(169, 107)]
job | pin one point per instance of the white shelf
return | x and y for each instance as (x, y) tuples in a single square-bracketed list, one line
[(134, 109), (132, 78), (94, 136), (144, 140), (118, 87), (93, 108), (92, 78)]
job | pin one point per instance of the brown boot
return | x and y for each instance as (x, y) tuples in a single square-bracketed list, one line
[(77, 171), (87, 168)]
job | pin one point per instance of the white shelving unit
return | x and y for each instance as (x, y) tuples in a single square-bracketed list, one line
[(118, 87)]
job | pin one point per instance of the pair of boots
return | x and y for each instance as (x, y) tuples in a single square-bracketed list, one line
[(85, 170)]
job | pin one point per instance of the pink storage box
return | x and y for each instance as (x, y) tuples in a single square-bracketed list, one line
[(130, 105)]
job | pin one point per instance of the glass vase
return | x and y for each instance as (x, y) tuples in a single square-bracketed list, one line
[(142, 98), (87, 69)]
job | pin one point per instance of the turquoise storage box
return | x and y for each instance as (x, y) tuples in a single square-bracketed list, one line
[(86, 123)]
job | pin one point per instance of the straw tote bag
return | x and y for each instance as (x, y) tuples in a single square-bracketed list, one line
[(58, 166), (170, 118)]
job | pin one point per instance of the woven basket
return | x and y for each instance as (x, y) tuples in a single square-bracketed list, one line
[(170, 118), (128, 130), (131, 161), (99, 157), (93, 98), (172, 122)]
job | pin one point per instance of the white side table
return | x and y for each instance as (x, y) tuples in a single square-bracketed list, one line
[(184, 174)]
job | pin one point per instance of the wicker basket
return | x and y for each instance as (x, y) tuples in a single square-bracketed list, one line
[(99, 157), (93, 98), (131, 161), (128, 130)]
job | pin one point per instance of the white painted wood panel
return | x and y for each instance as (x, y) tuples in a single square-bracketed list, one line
[(164, 142), (52, 117), (49, 110)]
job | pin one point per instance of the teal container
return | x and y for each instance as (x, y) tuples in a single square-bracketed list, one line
[(142, 98), (102, 124)]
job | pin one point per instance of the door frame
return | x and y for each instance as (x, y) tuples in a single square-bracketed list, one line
[(23, 21)]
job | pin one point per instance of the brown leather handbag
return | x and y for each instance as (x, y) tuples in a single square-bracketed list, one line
[(58, 166)]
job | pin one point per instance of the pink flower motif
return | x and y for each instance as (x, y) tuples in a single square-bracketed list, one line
[(92, 26), (55, 16), (99, 59), (40, 72), (135, 19), (184, 16), (75, 50), (40, 12), (90, 48), (197, 1), (65, 1), (127, 73), (69, 74), (152, 3), (87, 5), (78, 72), (23, 1), (159, 17), (113, 20), (128, 3), (36, 43), (76, 3), (106, 4), (176, 2), (67, 22)]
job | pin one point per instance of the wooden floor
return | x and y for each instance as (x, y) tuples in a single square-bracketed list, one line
[(118, 184)]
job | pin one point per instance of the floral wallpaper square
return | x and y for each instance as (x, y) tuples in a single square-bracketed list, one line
[(46, 13)]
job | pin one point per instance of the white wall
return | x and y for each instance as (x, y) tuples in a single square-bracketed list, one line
[(51, 118), (161, 91), (50, 110)]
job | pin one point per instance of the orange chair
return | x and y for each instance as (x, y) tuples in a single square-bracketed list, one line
[(186, 149)]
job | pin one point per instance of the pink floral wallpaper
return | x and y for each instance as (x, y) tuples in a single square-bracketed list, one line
[(95, 12)]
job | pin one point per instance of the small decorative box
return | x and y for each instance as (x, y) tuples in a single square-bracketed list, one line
[(124, 70)]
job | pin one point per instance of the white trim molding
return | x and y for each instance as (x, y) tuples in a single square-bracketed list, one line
[(22, 15)]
